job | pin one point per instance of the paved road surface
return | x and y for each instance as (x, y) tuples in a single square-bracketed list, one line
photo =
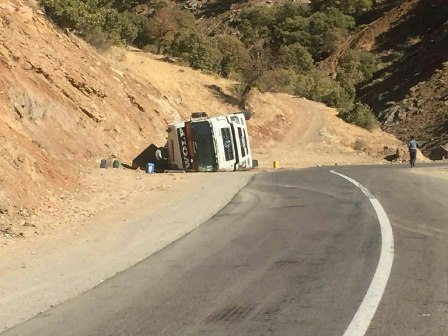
[(293, 254)]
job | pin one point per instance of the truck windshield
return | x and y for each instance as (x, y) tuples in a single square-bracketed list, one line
[(203, 146)]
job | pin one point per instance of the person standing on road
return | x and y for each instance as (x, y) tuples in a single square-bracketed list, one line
[(413, 145)]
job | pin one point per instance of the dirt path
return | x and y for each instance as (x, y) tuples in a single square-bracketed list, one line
[(304, 132)]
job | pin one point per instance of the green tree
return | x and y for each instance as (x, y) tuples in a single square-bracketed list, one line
[(234, 54), (256, 23), (360, 115), (95, 18), (355, 67), (121, 5), (79, 15), (295, 56), (321, 24), (291, 31), (125, 26), (290, 10), (198, 49), (251, 72), (318, 86)]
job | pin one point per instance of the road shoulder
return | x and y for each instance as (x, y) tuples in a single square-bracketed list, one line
[(44, 272)]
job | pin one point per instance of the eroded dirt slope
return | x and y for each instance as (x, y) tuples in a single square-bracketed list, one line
[(63, 108)]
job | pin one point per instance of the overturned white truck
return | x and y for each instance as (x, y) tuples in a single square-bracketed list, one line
[(206, 143)]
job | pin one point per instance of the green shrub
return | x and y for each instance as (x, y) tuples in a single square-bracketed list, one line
[(295, 56), (291, 31), (199, 50), (95, 20), (318, 86), (355, 67), (79, 15), (360, 115), (234, 54), (255, 23)]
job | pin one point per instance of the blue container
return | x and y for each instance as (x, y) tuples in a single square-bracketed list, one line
[(150, 168), (104, 164)]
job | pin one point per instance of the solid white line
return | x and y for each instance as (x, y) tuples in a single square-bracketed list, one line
[(361, 321)]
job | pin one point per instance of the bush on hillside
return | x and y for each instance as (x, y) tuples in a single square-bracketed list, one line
[(100, 39), (234, 54), (125, 5), (308, 29), (197, 49), (332, 40), (78, 15), (295, 56), (93, 18), (355, 67), (318, 86), (256, 23), (163, 26), (125, 25), (360, 145), (321, 24), (360, 115), (293, 30), (278, 80)]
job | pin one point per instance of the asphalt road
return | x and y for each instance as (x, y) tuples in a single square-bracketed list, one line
[(294, 253)]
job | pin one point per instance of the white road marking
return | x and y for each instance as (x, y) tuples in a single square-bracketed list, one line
[(361, 321)]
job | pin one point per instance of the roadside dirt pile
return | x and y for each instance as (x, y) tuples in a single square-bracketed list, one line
[(64, 107)]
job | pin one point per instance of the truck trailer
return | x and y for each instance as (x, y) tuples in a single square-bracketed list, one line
[(209, 144)]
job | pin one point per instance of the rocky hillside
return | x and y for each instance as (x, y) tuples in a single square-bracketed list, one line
[(409, 92)]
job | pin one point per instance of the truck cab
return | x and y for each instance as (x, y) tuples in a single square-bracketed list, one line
[(206, 143)]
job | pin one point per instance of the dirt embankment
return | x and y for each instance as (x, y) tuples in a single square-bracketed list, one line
[(62, 108)]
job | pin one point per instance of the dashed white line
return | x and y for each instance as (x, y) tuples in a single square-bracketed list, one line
[(366, 311)]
